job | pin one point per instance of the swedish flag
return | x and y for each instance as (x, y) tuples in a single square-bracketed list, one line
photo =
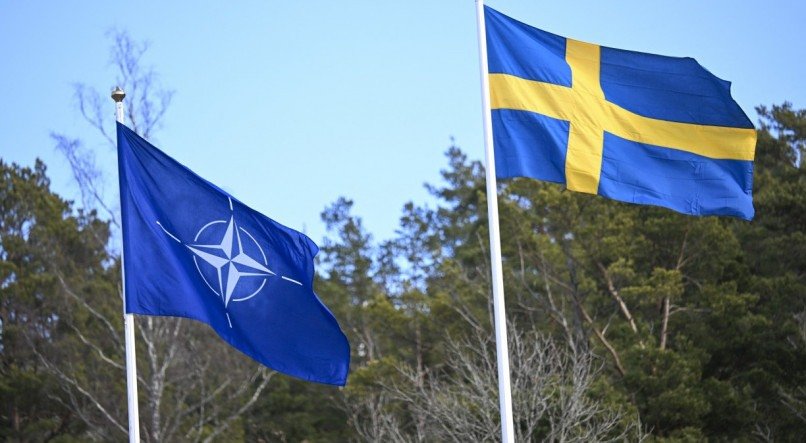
[(633, 127)]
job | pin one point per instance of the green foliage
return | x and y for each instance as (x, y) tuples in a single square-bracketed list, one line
[(294, 411), (690, 329), (696, 318), (41, 243)]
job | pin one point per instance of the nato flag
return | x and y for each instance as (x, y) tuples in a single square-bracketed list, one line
[(192, 250)]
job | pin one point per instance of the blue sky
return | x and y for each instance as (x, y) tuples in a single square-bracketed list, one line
[(289, 105)]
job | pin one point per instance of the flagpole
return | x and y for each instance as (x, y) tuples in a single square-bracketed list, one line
[(128, 319), (499, 314)]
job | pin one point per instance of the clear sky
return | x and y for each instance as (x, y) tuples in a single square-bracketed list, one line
[(289, 105)]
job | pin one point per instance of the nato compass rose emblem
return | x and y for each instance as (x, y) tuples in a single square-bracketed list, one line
[(229, 260)]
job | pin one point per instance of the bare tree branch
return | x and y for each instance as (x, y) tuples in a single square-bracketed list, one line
[(114, 333), (611, 287), (550, 387), (96, 403), (265, 376)]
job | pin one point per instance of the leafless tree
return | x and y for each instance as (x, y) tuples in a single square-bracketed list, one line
[(146, 105), (550, 393), (193, 387), (370, 417), (551, 397)]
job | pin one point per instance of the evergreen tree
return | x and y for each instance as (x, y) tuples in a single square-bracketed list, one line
[(44, 246)]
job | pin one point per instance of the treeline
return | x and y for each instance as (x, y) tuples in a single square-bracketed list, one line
[(626, 322)]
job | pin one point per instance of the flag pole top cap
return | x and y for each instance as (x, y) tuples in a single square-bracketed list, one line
[(118, 95)]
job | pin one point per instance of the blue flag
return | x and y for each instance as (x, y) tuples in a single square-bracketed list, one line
[(630, 126), (192, 250)]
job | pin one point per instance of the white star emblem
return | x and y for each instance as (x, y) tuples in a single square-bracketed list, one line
[(231, 261), (233, 258)]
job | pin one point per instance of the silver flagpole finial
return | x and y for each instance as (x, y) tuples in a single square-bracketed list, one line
[(118, 95)]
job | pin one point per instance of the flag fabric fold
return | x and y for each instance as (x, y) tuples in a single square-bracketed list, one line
[(192, 250), (634, 127)]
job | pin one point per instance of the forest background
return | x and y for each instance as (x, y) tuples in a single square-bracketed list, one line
[(626, 322)]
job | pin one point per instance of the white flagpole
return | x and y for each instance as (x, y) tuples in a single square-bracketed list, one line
[(128, 319), (500, 320)]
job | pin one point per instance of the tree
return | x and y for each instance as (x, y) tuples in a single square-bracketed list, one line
[(698, 319), (551, 387), (694, 314), (438, 381), (43, 243)]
